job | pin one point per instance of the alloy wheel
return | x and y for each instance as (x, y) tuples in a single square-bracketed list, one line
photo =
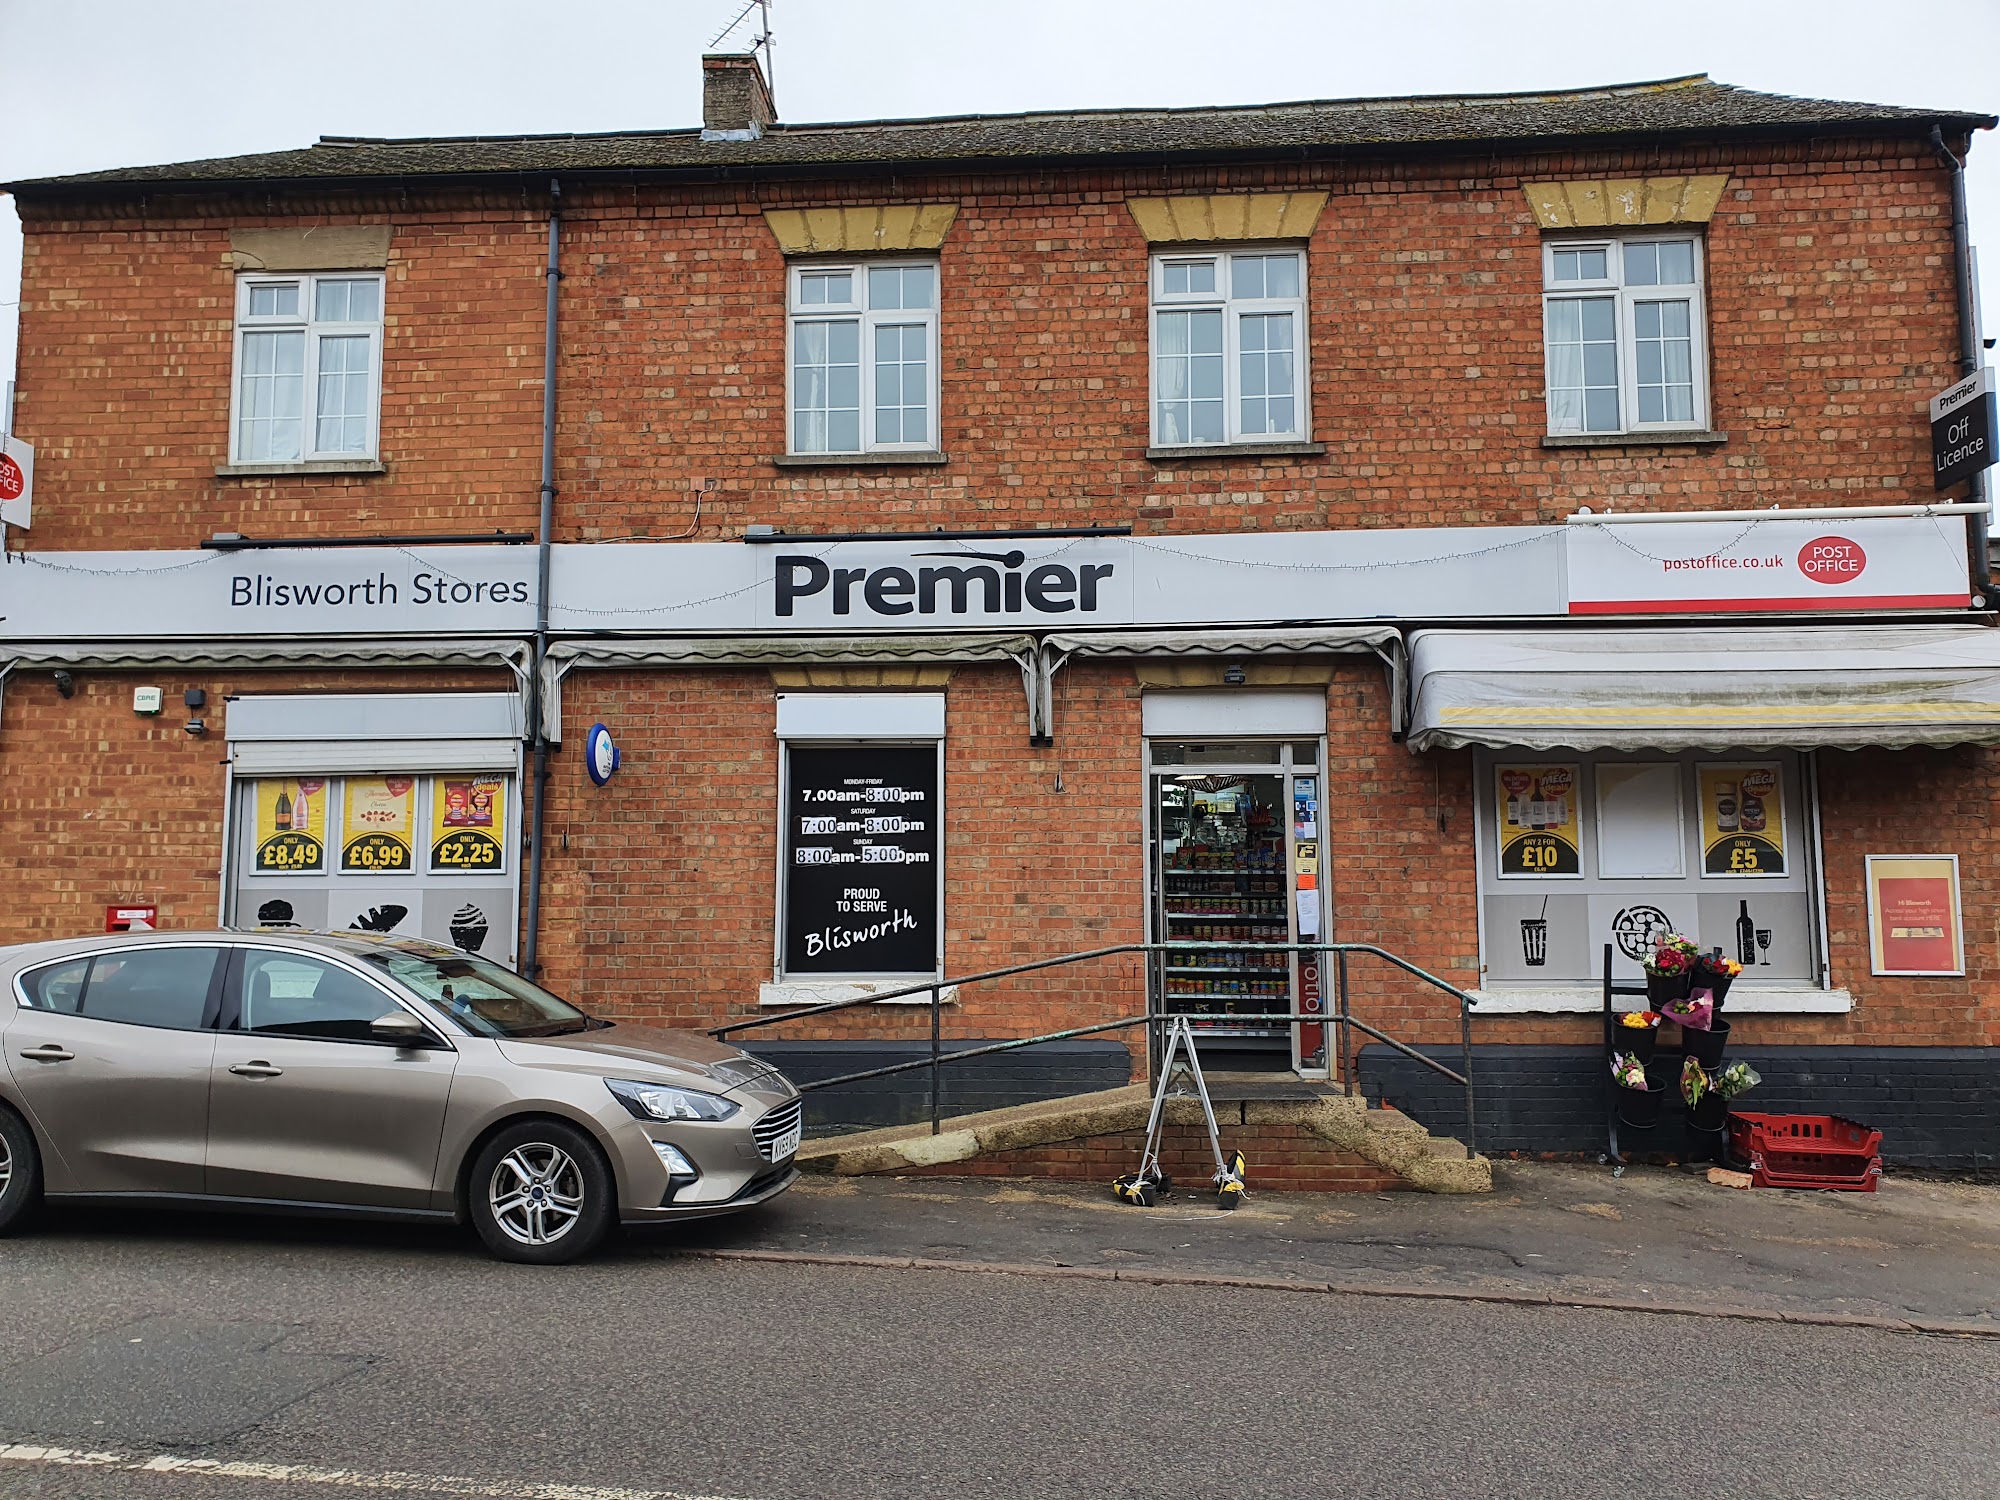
[(536, 1193), (6, 1166)]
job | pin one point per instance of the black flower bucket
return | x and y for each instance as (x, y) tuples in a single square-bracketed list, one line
[(1638, 1040), (1716, 984), (1660, 988), (1640, 1108), (1705, 1047), (1706, 1116)]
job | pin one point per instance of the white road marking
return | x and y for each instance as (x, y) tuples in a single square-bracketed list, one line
[(351, 1479)]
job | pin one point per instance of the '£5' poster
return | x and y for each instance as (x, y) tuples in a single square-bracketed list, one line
[(468, 825)]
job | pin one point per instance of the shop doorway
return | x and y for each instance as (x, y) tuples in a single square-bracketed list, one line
[(1233, 843)]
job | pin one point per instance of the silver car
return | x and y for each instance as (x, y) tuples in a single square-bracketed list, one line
[(351, 1074)]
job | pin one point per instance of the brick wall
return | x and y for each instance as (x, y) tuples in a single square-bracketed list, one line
[(1829, 304), (99, 805)]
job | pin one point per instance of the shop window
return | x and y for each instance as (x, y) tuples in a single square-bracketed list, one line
[(415, 855), (1623, 328), (864, 374), (861, 845), (308, 368), (1577, 851), (1229, 348)]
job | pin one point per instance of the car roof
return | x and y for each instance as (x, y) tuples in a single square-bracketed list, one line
[(341, 944)]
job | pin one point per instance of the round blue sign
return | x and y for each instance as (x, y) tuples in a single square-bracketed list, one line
[(600, 756)]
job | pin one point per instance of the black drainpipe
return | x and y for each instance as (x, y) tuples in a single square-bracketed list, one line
[(1969, 351), (539, 793)]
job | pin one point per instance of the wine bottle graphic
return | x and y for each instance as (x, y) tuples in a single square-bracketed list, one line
[(281, 813), (1746, 935)]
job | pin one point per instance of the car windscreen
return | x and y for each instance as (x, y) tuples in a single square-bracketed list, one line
[(484, 998)]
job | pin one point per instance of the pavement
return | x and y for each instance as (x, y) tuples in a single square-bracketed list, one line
[(852, 1340), (1925, 1253)]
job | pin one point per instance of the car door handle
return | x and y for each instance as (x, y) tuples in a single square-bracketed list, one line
[(257, 1070), (49, 1052)]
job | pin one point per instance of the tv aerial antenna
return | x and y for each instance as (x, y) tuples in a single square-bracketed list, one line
[(759, 43)]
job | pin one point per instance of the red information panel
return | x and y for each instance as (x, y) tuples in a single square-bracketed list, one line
[(1914, 924), (131, 918)]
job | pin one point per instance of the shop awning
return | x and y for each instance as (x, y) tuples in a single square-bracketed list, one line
[(772, 651), (1739, 688), (1305, 641)]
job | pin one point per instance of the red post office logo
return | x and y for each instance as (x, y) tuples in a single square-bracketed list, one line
[(1832, 560), (12, 480)]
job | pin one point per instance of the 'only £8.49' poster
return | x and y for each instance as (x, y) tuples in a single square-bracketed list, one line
[(291, 827), (1538, 820)]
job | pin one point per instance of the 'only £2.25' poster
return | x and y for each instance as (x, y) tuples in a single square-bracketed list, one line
[(468, 825), (1537, 820)]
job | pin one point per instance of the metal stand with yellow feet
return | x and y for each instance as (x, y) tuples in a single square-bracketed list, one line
[(1149, 1184)]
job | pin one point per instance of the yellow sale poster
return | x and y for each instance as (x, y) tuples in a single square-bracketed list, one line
[(378, 825), (1742, 819), (1537, 820), (468, 825), (291, 827)]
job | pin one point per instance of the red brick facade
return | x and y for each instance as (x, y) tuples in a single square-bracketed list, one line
[(1830, 306)]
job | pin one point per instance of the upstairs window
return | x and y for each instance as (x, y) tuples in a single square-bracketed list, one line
[(308, 368), (1623, 325), (864, 357), (1229, 363)]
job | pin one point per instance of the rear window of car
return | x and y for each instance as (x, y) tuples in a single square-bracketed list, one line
[(166, 987), (58, 987)]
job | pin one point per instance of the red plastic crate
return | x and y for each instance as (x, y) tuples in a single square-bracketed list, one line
[(1807, 1151)]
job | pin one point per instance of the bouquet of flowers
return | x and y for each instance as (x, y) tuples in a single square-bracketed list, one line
[(1695, 1012), (1672, 954), (1629, 1071), (1695, 1081), (1713, 964), (1735, 1078), (1639, 1020)]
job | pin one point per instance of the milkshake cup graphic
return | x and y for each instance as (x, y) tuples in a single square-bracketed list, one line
[(1534, 941)]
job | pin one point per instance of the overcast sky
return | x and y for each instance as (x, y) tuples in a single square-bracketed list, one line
[(86, 84)]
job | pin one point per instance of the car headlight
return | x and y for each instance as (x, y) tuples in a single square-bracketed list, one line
[(657, 1101)]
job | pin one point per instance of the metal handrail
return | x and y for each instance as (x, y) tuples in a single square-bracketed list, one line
[(1342, 1018)]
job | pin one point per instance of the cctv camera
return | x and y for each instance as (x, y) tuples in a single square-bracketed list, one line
[(65, 684)]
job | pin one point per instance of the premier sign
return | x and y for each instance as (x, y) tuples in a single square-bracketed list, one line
[(972, 584), (1962, 429)]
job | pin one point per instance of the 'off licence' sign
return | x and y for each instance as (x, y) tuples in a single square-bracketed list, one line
[(1962, 429)]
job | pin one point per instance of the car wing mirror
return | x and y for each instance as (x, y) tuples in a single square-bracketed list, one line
[(402, 1028)]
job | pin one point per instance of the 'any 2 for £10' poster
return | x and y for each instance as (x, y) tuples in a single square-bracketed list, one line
[(1538, 820)]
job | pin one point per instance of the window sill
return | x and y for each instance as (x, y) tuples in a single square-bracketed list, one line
[(1235, 450), (1744, 1000), (852, 460), (794, 993), (313, 466), (1635, 440)]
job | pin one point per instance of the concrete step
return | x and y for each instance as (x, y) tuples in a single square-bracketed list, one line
[(1386, 1137)]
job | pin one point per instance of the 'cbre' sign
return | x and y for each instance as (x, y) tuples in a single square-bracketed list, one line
[(970, 584)]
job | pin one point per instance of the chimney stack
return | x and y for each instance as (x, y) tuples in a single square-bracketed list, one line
[(735, 100)]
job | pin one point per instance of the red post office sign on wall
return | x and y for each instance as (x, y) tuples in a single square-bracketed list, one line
[(131, 918)]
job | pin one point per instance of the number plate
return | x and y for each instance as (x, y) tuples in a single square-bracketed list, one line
[(787, 1144)]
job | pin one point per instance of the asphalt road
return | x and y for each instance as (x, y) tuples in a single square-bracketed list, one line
[(291, 1352)]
